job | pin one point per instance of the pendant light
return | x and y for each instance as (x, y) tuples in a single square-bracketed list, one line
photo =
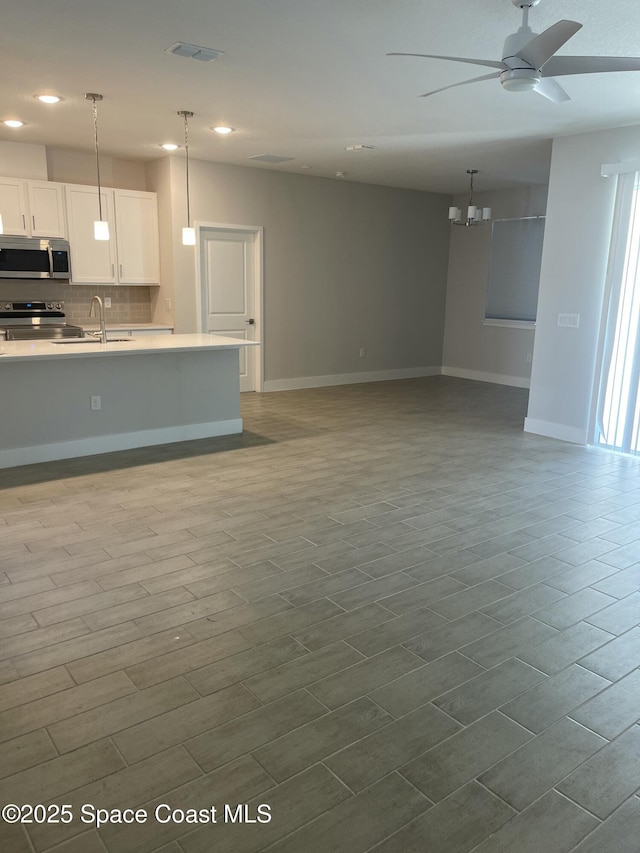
[(188, 233), (475, 215), (100, 226)]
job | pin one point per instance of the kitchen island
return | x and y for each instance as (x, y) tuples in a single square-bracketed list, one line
[(81, 397)]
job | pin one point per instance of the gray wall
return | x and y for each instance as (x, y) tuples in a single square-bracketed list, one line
[(346, 265), (68, 166), (472, 350), (572, 280)]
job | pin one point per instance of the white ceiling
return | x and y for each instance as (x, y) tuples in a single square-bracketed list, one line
[(306, 78)]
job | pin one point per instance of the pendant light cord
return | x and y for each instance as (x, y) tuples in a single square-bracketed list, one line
[(95, 129), (186, 148)]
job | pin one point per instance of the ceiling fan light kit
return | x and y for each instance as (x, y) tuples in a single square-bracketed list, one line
[(475, 215), (529, 62), (520, 80)]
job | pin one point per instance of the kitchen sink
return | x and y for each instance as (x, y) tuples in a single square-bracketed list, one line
[(91, 340), (75, 341)]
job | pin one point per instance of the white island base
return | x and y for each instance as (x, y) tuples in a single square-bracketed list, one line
[(154, 391)]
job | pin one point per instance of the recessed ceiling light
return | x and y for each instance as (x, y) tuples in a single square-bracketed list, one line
[(305, 167), (169, 146), (49, 99), (341, 174), (223, 129), (13, 122), (360, 148)]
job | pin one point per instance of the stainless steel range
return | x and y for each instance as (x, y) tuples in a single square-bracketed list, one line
[(33, 320)]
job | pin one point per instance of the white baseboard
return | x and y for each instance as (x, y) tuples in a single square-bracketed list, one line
[(119, 441), (559, 431), (482, 376), (349, 378)]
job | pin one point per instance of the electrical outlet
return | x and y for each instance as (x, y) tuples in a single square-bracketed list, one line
[(529, 357), (167, 304), (363, 352), (96, 404), (107, 302)]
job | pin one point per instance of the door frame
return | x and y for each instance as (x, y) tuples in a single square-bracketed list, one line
[(202, 229)]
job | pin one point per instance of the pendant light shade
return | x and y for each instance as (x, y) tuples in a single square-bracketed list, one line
[(100, 230), (188, 233), (100, 225), (475, 215)]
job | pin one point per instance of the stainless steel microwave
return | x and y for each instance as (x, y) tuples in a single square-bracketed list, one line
[(34, 257)]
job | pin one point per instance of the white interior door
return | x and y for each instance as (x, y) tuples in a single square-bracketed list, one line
[(229, 294)]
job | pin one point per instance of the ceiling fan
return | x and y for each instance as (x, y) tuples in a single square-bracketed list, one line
[(529, 62)]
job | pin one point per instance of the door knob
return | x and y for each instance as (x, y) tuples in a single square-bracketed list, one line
[(250, 322)]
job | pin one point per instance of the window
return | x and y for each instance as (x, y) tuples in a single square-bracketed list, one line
[(618, 408), (514, 270)]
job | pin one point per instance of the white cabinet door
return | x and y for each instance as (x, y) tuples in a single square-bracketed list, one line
[(118, 334), (13, 206), (137, 237), (114, 334), (46, 208), (92, 261)]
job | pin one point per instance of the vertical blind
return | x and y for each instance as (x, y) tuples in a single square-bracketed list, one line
[(618, 408)]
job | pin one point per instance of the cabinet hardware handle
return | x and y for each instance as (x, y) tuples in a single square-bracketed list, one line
[(120, 270), (24, 222), (113, 270), (33, 219)]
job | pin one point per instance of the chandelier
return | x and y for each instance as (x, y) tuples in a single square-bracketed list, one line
[(475, 215)]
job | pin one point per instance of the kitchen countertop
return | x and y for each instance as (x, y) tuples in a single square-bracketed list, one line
[(12, 351)]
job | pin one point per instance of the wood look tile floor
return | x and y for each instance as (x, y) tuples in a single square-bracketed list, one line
[(384, 611)]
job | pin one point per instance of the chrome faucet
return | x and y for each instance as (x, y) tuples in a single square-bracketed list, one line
[(103, 328)]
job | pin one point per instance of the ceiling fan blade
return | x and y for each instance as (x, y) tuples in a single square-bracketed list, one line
[(541, 48), (463, 83), (559, 66), (548, 88), (488, 62)]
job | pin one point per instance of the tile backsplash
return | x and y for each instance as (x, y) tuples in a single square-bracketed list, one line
[(128, 304)]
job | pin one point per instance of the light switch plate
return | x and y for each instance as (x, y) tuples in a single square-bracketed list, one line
[(569, 320)]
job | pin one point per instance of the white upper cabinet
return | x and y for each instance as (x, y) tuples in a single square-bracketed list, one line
[(46, 209), (32, 208), (131, 255), (13, 206), (92, 261), (137, 237)]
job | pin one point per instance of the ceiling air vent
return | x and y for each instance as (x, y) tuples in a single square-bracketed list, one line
[(271, 158), (194, 51)]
